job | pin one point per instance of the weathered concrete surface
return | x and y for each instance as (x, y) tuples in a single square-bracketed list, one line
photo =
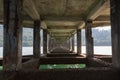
[(63, 60), (73, 44), (63, 15), (67, 74), (63, 55), (115, 29), (107, 58), (44, 41), (32, 64), (12, 49), (7, 75), (89, 39), (78, 42), (60, 50), (36, 39), (94, 62)]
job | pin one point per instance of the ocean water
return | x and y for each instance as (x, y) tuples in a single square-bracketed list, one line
[(101, 50)]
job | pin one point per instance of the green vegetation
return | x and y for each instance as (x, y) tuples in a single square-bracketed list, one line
[(1, 68), (61, 66), (101, 38)]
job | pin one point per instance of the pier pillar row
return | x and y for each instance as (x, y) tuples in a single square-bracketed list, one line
[(44, 41), (115, 32), (78, 41), (89, 39), (12, 48), (36, 39)]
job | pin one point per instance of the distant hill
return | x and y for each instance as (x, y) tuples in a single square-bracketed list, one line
[(101, 38)]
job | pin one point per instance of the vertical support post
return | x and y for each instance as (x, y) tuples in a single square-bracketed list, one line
[(12, 49), (89, 40), (72, 43), (44, 41), (49, 44), (115, 32), (79, 41), (36, 39), (69, 44)]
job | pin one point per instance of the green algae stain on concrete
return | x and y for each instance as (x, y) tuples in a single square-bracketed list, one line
[(61, 66), (1, 68)]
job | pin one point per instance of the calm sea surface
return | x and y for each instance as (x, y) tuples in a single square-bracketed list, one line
[(103, 50)]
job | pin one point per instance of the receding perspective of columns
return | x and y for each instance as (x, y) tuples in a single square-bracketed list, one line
[(89, 40), (115, 32), (44, 41), (36, 40), (79, 41), (12, 53)]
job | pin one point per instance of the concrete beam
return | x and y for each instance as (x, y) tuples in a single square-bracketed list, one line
[(103, 18), (98, 9), (100, 24), (81, 25), (30, 9), (61, 30), (62, 27), (60, 18), (59, 35), (43, 25)]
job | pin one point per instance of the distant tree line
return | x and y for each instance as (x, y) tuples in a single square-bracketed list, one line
[(101, 38)]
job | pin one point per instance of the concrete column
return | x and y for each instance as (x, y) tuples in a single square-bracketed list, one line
[(89, 40), (36, 39), (73, 44), (12, 49), (49, 44), (44, 41), (69, 45), (115, 32), (79, 41)]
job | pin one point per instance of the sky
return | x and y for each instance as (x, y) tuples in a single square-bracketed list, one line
[(103, 28)]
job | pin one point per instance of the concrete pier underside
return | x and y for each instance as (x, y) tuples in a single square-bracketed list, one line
[(60, 20)]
